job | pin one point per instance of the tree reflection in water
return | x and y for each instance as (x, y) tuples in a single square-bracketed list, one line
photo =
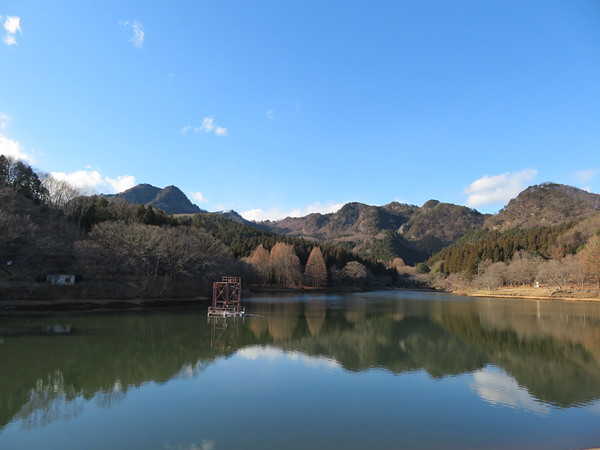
[(550, 351)]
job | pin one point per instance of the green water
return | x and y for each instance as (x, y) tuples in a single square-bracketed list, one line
[(376, 370)]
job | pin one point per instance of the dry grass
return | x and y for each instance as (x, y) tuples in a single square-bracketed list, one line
[(588, 293)]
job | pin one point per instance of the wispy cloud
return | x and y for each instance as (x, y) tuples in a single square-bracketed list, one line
[(137, 29), (14, 149), (208, 126), (276, 213), (4, 119), (12, 24), (585, 175), (199, 197), (92, 181), (497, 189)]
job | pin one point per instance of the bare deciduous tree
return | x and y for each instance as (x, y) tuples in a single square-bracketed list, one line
[(356, 272), (591, 257), (259, 259), (523, 268), (286, 265), (555, 271), (60, 192), (315, 272)]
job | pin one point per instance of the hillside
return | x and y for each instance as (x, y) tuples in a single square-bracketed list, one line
[(545, 204), (548, 220), (170, 199), (386, 232)]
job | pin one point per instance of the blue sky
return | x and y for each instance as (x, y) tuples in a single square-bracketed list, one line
[(276, 108)]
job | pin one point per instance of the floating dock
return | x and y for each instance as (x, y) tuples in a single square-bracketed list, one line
[(227, 298)]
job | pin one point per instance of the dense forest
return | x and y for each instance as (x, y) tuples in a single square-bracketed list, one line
[(120, 250)]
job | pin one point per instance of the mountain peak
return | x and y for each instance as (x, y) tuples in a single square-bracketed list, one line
[(545, 204), (171, 199)]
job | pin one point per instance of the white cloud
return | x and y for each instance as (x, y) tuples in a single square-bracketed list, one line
[(121, 183), (9, 40), (12, 148), (585, 175), (498, 388), (273, 354), (276, 213), (85, 180), (498, 188), (138, 32), (199, 197), (92, 181), (12, 24), (220, 131), (208, 126)]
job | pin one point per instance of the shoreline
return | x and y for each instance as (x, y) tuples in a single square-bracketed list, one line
[(139, 304), (582, 295)]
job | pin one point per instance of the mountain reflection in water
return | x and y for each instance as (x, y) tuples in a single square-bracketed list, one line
[(523, 354)]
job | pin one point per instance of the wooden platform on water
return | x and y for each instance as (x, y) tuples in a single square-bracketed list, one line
[(227, 298)]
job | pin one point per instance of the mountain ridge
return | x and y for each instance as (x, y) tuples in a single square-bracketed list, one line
[(170, 200), (399, 230)]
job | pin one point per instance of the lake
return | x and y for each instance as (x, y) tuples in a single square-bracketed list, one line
[(354, 371)]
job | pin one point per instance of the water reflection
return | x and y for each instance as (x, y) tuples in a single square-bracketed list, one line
[(522, 354), (498, 388), (49, 400)]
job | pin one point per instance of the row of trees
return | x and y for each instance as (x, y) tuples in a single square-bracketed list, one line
[(281, 266)]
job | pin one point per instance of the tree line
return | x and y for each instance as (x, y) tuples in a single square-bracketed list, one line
[(560, 256), (123, 250)]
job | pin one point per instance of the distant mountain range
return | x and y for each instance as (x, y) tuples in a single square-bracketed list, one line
[(400, 230)]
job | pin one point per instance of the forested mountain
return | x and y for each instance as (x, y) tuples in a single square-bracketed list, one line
[(548, 221), (170, 200), (545, 204), (386, 232)]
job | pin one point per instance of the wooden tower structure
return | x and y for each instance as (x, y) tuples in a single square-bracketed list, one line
[(227, 298)]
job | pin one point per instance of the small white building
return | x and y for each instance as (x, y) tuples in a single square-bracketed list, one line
[(61, 280)]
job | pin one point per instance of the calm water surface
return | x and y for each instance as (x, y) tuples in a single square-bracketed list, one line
[(377, 370)]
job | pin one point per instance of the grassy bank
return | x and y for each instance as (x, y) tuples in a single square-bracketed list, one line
[(541, 293)]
